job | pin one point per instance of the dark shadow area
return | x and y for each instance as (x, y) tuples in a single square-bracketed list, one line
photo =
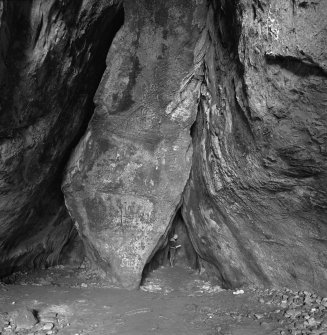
[(47, 235), (300, 67), (183, 255), (106, 30), (14, 41)]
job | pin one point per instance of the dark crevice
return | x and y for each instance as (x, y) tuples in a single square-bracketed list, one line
[(228, 28), (254, 12), (186, 254), (303, 4), (192, 129), (299, 67)]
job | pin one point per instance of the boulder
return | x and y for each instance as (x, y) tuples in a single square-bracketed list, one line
[(125, 179), (22, 319)]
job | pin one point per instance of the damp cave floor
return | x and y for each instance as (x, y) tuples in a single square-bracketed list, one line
[(171, 301)]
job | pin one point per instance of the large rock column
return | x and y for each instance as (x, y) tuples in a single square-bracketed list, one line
[(125, 179)]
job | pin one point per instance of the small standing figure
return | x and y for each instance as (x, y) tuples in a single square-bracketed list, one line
[(173, 249)]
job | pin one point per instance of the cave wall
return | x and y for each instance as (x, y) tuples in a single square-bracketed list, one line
[(255, 203), (215, 107), (52, 56)]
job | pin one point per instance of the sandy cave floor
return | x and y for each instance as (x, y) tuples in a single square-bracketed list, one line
[(171, 301)]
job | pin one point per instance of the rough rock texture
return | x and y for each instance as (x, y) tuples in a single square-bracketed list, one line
[(52, 56), (214, 106), (125, 180), (255, 204)]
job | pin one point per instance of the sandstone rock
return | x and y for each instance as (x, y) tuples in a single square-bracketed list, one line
[(23, 319), (48, 326), (125, 180)]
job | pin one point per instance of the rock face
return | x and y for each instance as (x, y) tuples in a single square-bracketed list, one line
[(213, 109), (125, 179), (255, 204), (50, 67)]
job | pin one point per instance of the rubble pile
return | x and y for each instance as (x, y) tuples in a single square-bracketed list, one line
[(298, 313), (25, 321)]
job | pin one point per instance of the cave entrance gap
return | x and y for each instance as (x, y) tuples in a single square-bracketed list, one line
[(185, 255)]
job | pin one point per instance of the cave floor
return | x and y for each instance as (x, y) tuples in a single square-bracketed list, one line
[(171, 301)]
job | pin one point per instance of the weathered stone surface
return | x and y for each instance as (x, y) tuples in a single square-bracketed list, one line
[(255, 204), (126, 177), (50, 67)]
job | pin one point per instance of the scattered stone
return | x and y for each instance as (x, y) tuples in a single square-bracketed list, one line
[(238, 292), (284, 304), (23, 319), (304, 313), (3, 320), (83, 285), (264, 324), (48, 326), (292, 313), (48, 319)]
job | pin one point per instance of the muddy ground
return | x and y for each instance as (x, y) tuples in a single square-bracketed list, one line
[(171, 301)]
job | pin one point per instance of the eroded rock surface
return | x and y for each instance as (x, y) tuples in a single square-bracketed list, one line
[(126, 177), (255, 204), (50, 67)]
